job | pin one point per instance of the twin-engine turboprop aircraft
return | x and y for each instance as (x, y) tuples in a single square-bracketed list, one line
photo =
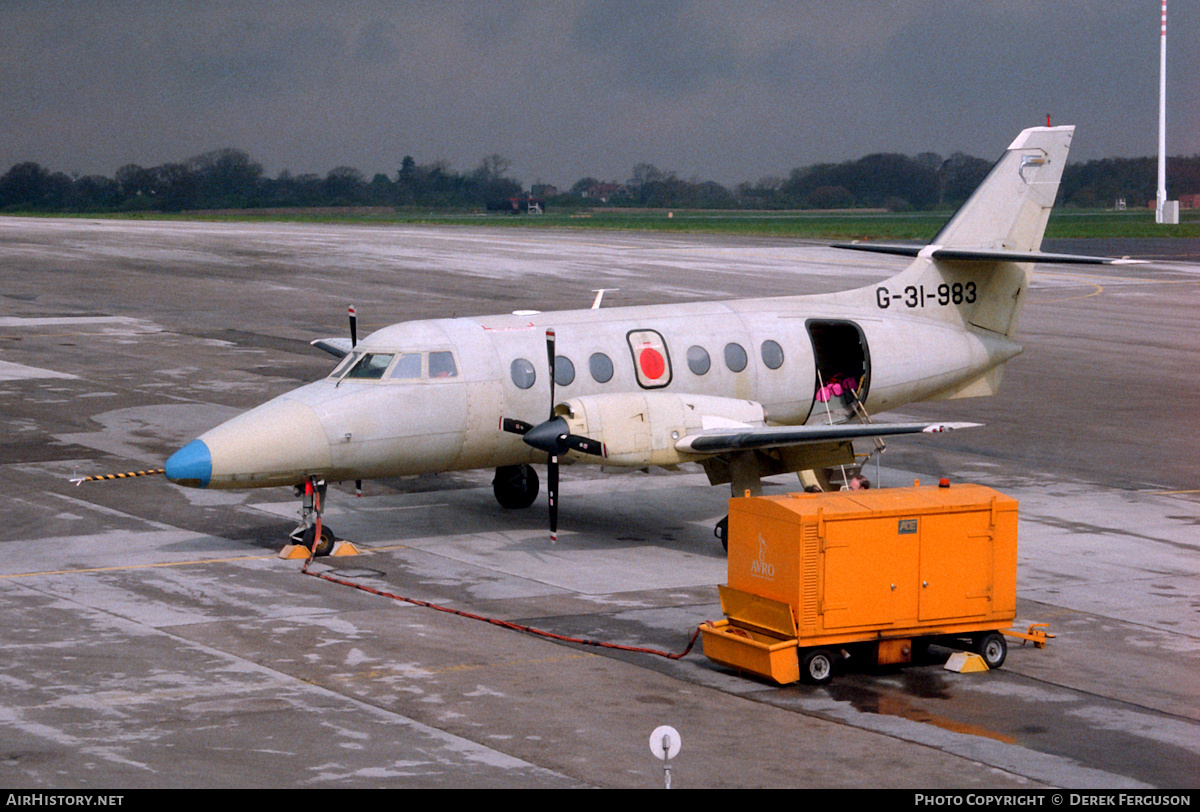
[(746, 388)]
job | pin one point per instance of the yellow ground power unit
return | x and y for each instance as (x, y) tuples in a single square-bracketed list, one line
[(878, 574)]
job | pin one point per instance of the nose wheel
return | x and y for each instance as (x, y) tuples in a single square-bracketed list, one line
[(324, 543)]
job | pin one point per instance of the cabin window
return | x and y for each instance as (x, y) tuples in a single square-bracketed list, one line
[(735, 357), (441, 365), (601, 367), (523, 374), (564, 370), (698, 361), (408, 366), (371, 367), (772, 354)]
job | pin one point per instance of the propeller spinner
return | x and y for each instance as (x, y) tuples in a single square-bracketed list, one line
[(554, 437)]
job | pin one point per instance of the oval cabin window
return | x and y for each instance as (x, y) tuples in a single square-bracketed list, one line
[(523, 374), (698, 361), (601, 367), (735, 357)]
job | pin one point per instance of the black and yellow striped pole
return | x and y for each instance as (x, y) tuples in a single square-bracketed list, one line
[(97, 477)]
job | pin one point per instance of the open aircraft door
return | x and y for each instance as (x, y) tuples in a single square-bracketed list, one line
[(843, 369)]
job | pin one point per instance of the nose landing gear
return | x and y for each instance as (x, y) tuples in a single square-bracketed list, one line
[(311, 532)]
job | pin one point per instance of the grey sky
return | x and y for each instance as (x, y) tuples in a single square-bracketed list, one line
[(705, 88)]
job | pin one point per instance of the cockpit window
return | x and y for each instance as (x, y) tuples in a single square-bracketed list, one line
[(441, 365), (408, 366), (371, 367), (344, 364)]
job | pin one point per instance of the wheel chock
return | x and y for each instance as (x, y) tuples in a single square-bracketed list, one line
[(300, 551), (965, 663)]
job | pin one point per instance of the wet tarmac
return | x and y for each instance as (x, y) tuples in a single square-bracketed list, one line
[(154, 639)]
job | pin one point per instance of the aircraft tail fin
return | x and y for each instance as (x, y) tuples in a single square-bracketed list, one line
[(976, 271), (1008, 211)]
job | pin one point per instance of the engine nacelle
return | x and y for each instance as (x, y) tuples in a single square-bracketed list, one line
[(640, 429)]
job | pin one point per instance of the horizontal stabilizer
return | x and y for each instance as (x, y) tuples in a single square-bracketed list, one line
[(720, 441), (337, 347), (984, 254)]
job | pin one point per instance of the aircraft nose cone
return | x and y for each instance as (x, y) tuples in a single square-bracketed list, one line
[(190, 466), (278, 443)]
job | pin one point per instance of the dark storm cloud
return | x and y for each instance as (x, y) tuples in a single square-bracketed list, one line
[(662, 48), (991, 65), (568, 88)]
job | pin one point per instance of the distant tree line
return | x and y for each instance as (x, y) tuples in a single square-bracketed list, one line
[(230, 179)]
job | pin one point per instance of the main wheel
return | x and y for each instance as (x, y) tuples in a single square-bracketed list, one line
[(816, 666), (721, 531), (992, 647), (324, 545), (515, 486)]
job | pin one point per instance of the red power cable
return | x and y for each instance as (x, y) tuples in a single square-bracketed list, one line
[(502, 623)]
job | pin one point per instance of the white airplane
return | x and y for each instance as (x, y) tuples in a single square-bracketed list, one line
[(746, 388)]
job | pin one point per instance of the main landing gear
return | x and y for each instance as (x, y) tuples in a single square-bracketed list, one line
[(515, 486), (312, 494)]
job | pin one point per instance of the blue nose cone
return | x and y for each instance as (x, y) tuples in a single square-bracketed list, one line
[(190, 465)]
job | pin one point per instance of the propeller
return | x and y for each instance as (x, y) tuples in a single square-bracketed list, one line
[(554, 437)]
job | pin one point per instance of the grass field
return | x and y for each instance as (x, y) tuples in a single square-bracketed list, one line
[(842, 225)]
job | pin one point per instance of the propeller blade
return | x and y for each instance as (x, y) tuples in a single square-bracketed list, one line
[(552, 492), (552, 435), (550, 359), (586, 445), (353, 327), (513, 426)]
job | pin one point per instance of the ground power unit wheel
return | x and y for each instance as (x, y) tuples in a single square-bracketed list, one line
[(992, 647), (816, 666)]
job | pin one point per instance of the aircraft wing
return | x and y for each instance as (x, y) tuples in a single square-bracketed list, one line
[(337, 347), (720, 441)]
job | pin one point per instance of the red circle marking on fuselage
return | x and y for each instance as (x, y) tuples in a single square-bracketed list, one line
[(652, 363)]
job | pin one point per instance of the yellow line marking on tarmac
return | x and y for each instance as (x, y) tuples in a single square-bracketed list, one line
[(1098, 290), (1110, 279)]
